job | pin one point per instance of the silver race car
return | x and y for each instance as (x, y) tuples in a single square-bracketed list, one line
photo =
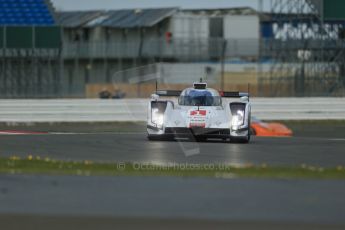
[(199, 112)]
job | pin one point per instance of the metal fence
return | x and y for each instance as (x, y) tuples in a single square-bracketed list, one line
[(30, 73), (178, 48), (322, 81), (86, 68)]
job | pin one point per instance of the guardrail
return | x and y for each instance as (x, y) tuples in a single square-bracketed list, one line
[(95, 110)]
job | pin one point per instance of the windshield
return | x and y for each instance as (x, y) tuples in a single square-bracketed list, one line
[(200, 98)]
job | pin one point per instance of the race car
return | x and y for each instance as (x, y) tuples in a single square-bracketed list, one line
[(199, 112), (269, 129)]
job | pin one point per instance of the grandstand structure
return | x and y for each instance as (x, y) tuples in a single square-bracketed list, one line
[(306, 48), (30, 49)]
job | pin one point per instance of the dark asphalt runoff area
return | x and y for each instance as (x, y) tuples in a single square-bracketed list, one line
[(134, 147), (75, 202)]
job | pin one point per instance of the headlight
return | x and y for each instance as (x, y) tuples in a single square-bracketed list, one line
[(237, 119), (157, 117)]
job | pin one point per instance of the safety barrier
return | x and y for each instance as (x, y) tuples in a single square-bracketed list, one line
[(96, 110)]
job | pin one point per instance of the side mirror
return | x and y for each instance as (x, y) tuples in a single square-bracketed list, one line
[(154, 97)]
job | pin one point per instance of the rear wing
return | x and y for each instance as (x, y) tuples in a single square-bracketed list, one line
[(177, 93), (168, 93), (234, 94)]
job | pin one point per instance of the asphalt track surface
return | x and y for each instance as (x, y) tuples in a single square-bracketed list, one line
[(74, 202), (80, 202), (134, 147)]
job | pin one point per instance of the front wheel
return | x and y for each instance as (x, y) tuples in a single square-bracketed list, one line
[(159, 138), (243, 140), (200, 139), (152, 138)]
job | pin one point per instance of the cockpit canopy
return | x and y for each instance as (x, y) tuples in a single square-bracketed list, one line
[(196, 97)]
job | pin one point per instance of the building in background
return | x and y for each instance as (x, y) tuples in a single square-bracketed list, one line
[(296, 49), (99, 45)]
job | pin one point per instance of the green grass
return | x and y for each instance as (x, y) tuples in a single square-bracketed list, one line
[(36, 165), (84, 127)]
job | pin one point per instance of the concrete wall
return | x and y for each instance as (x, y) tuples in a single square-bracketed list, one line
[(136, 109)]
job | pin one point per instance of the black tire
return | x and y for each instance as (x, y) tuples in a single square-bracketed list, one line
[(151, 138), (242, 140), (200, 139), (154, 137), (159, 138), (252, 132), (249, 135), (239, 140)]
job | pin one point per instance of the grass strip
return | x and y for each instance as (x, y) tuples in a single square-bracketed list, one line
[(83, 127), (37, 165)]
